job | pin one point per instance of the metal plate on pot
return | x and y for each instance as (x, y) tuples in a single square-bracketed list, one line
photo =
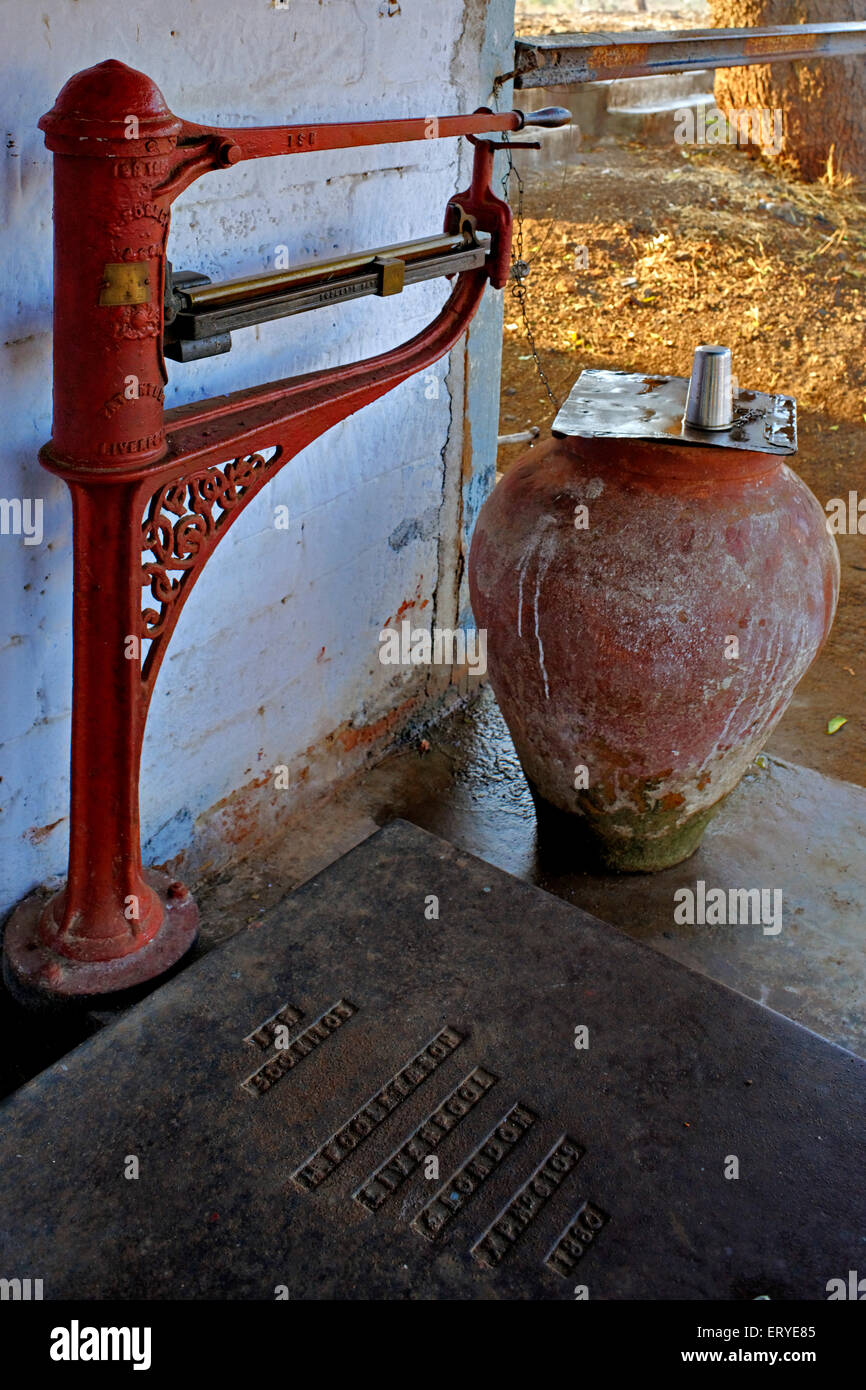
[(630, 405), (385, 1090)]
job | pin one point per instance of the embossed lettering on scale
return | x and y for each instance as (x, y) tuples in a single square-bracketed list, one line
[(429, 1133), (148, 251), (575, 1239), (264, 1035), (140, 168), (521, 1209), (132, 446), (456, 1192), (376, 1110), (118, 401), (136, 212), (286, 1058), (527, 1202), (337, 292)]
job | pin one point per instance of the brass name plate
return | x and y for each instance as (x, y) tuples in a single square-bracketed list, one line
[(126, 282)]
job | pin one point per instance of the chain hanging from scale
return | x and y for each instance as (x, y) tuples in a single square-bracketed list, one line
[(519, 273)]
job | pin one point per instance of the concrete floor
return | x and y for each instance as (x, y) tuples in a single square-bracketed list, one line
[(786, 827)]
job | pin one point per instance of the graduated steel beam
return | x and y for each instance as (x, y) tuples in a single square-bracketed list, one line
[(560, 60)]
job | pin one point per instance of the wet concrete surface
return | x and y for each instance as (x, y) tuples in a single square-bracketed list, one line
[(785, 828)]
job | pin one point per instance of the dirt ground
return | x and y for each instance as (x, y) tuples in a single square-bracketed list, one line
[(710, 244), (561, 17)]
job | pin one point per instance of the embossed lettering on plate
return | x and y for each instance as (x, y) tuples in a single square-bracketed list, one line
[(580, 1232), (264, 1035), (527, 1202), (300, 1047), (377, 1109), (423, 1139), (456, 1192)]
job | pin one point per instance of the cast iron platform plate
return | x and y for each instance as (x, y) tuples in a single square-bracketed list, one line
[(414, 1038)]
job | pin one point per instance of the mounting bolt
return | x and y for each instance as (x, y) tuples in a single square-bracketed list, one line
[(229, 152)]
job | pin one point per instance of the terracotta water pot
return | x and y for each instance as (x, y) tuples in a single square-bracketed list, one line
[(650, 607)]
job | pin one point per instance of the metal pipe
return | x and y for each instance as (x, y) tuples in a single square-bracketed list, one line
[(562, 60), (523, 437)]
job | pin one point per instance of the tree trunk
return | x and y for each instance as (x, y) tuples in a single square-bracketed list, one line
[(823, 104)]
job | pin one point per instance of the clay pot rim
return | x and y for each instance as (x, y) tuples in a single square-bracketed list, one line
[(705, 464)]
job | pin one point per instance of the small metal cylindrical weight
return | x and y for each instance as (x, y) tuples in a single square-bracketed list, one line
[(710, 402)]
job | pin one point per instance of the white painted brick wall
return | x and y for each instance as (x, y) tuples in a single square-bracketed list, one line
[(245, 684)]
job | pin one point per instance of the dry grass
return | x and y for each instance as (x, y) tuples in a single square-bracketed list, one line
[(553, 18), (708, 245)]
